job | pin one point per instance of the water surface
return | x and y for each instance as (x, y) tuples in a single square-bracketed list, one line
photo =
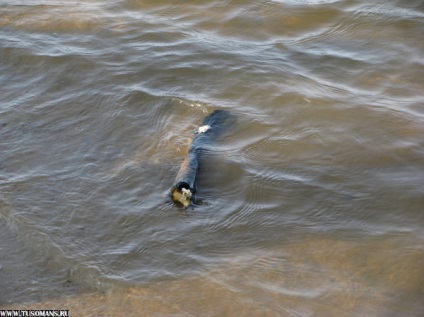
[(312, 202)]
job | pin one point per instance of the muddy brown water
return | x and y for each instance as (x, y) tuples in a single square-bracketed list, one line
[(313, 202)]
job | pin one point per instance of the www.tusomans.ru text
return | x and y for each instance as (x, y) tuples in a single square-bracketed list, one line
[(34, 313)]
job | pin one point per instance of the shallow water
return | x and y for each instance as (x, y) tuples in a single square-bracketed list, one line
[(312, 203)]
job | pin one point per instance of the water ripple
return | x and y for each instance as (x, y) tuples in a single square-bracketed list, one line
[(313, 193)]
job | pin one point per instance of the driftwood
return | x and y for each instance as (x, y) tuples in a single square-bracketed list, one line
[(184, 188)]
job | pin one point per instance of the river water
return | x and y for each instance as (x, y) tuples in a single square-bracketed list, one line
[(312, 202)]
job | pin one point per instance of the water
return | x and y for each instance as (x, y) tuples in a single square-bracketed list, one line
[(312, 203)]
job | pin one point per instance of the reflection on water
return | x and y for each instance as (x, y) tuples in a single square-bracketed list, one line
[(312, 202)]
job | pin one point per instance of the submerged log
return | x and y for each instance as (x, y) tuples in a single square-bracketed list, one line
[(184, 188)]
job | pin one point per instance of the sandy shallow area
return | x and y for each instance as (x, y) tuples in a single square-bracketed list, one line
[(304, 278)]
